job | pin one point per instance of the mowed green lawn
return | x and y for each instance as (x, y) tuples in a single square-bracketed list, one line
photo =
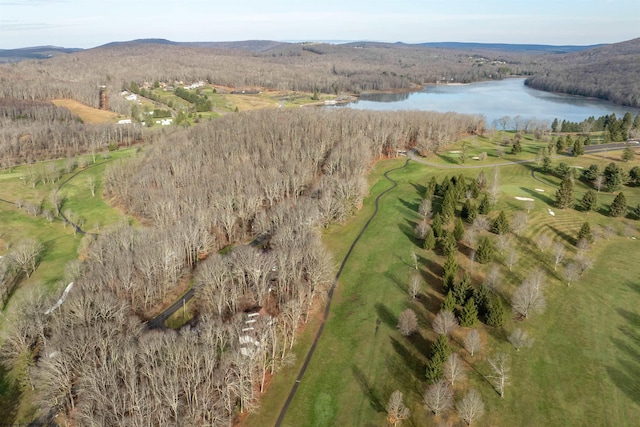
[(584, 366)]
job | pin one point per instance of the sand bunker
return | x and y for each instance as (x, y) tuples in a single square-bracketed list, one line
[(528, 199), (552, 213), (475, 158), (540, 190), (455, 151)]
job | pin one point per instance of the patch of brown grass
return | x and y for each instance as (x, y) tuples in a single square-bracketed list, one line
[(86, 113)]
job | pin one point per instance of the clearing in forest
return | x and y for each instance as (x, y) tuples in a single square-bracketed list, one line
[(86, 113)]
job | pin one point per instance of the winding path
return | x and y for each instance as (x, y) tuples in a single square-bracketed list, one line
[(325, 315)]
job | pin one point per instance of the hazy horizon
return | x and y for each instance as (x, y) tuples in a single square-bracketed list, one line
[(89, 23)]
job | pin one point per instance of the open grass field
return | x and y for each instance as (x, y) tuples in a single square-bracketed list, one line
[(86, 113), (61, 245), (583, 368)]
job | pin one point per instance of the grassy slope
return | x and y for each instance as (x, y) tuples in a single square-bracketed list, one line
[(579, 371)]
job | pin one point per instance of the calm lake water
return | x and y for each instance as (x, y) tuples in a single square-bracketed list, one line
[(494, 99)]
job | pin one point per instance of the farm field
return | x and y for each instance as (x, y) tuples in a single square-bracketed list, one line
[(582, 368), (86, 113)]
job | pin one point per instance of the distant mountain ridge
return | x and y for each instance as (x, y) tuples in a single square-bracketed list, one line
[(44, 52), (510, 47), (35, 52)]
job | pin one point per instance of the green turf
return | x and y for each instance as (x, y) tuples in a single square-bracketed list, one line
[(582, 369)]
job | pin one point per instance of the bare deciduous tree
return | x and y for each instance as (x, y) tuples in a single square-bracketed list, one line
[(543, 242), (571, 272), (559, 252), (493, 279), (471, 407), (26, 255), (438, 397), (519, 222), (472, 342), (407, 322), (421, 229), (512, 257), (415, 285), (499, 363), (445, 322), (519, 339), (528, 297), (453, 368), (425, 209), (396, 409)]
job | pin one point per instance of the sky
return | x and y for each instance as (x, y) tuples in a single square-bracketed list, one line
[(90, 23)]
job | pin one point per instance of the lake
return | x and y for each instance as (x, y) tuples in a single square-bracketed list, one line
[(494, 99)]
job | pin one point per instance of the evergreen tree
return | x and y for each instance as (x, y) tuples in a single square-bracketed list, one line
[(469, 314), (591, 173), (448, 209), (449, 302), (554, 125), (440, 351), (495, 312), (436, 225), (589, 201), (472, 214), (464, 212), (431, 188), (473, 189), (461, 185), (546, 164), (450, 266), (485, 206), (458, 230), (561, 144), (636, 211), (614, 177), (486, 250), (448, 243), (482, 296), (429, 240), (501, 224), (634, 175), (564, 194), (585, 233), (516, 148), (578, 147), (441, 189), (462, 290), (628, 154), (619, 206)]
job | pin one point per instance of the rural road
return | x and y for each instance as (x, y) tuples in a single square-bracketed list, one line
[(158, 321)]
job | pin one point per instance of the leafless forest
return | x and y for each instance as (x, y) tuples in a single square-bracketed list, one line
[(276, 175), (609, 72)]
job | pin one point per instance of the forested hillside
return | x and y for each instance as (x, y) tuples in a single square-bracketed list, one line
[(327, 68), (610, 72), (275, 174)]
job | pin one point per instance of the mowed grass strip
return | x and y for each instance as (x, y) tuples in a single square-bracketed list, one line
[(580, 370)]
